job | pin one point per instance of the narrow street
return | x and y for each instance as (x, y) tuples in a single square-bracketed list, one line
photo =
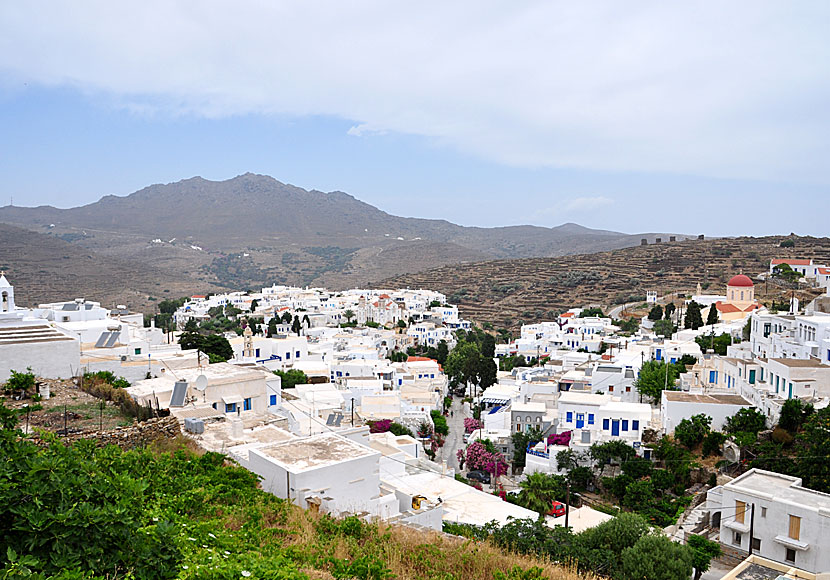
[(455, 439)]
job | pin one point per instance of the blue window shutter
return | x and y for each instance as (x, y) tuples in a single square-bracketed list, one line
[(569, 417), (625, 424), (635, 425), (273, 399), (605, 424), (590, 418)]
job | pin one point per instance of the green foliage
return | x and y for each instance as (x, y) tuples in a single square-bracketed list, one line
[(717, 343), (539, 490), (746, 420), (785, 272), (669, 310), (463, 364), (638, 494), (794, 413), (593, 311), (656, 557), (712, 443), (440, 423), (693, 318), (398, 430), (691, 432), (170, 306), (656, 313), (638, 467), (603, 453), (20, 382), (664, 328), (628, 325), (653, 378), (712, 317), (812, 465), (292, 378), (521, 439), (703, 551), (212, 344), (508, 363), (787, 244)]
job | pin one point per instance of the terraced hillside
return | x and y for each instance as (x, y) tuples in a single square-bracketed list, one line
[(508, 293)]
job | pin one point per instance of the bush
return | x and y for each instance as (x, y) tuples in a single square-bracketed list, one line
[(747, 420), (20, 382), (781, 436), (690, 432), (440, 423)]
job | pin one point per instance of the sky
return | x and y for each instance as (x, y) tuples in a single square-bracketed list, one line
[(695, 117)]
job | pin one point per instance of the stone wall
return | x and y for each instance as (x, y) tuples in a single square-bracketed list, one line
[(132, 436)]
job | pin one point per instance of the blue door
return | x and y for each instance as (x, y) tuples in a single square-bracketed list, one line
[(580, 420), (615, 427)]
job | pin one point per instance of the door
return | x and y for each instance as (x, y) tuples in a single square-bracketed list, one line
[(615, 427), (580, 420)]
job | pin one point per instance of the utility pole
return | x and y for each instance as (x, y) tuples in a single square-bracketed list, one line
[(567, 502), (751, 525)]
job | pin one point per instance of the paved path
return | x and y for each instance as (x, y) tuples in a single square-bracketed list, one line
[(455, 439)]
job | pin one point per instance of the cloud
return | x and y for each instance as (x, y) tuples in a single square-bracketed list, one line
[(581, 204), (731, 89)]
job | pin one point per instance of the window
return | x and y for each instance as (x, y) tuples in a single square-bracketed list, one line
[(528, 419), (569, 417), (538, 419), (625, 424), (297, 354), (605, 424), (287, 356), (736, 538), (246, 404), (590, 418), (713, 377), (230, 408), (611, 389), (790, 556), (138, 351), (740, 511), (756, 544), (214, 405), (256, 353), (635, 425), (795, 527), (763, 512), (628, 389), (272, 400)]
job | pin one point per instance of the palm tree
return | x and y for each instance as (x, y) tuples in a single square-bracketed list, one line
[(349, 315), (540, 490)]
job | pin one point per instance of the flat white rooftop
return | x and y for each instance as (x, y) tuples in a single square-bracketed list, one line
[(780, 487), (315, 452)]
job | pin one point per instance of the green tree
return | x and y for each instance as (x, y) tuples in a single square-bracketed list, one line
[(785, 272), (349, 314), (691, 432), (718, 343), (213, 345), (638, 494), (296, 326), (746, 420), (693, 318), (794, 413), (463, 364), (292, 378), (654, 377), (712, 317), (191, 325), (254, 304), (656, 313), (656, 557), (664, 328), (487, 372), (812, 465), (442, 352), (638, 467), (593, 311), (488, 346), (669, 310), (286, 317), (521, 439), (603, 453), (703, 551), (272, 327), (539, 490), (712, 443)]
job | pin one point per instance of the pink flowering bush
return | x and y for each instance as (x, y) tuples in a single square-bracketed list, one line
[(381, 426), (471, 425), (478, 457), (560, 439)]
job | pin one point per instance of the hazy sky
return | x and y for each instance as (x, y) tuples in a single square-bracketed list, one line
[(635, 116)]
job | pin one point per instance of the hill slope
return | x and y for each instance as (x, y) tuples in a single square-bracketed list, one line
[(508, 293), (44, 268), (253, 230)]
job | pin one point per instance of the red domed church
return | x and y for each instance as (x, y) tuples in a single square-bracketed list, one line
[(740, 299)]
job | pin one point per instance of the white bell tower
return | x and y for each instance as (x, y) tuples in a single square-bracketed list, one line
[(6, 294)]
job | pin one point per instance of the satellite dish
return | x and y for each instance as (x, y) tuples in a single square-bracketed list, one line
[(201, 383)]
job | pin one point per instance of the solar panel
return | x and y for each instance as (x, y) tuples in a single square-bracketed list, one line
[(338, 420), (179, 392), (102, 339), (330, 420), (112, 339)]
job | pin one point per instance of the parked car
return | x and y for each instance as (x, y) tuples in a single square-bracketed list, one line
[(557, 509), (479, 476)]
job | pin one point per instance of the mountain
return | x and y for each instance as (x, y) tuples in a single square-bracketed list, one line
[(253, 230), (44, 268)]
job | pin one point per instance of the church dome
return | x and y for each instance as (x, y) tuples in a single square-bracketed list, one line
[(741, 281)]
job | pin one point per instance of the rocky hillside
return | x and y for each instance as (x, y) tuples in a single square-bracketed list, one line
[(507, 293), (45, 268), (254, 230)]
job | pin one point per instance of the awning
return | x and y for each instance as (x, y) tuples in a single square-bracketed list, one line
[(230, 399), (496, 400)]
